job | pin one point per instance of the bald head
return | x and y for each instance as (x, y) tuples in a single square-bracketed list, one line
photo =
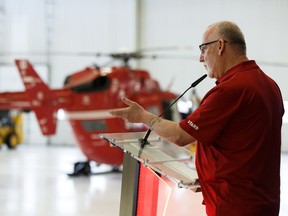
[(230, 32), (223, 47)]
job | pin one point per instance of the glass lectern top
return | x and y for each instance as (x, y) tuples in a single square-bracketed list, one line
[(170, 160)]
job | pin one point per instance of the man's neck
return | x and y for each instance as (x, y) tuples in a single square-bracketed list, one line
[(235, 61)]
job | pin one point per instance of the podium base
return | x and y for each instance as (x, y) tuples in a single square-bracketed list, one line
[(144, 192)]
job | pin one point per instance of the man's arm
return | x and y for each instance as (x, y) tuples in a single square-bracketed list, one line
[(168, 130)]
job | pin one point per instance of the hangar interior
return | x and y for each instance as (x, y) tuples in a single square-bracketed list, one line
[(61, 37)]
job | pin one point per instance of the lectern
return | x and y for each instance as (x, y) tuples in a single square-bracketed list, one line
[(159, 179)]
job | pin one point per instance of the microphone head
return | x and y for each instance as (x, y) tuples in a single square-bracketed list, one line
[(198, 80)]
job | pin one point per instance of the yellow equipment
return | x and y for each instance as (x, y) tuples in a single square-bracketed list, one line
[(11, 128)]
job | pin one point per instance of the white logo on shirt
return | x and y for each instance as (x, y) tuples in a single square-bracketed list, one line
[(193, 125)]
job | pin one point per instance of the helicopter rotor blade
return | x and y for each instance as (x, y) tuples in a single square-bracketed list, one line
[(126, 56), (168, 48)]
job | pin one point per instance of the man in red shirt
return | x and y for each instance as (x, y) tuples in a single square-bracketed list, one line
[(237, 127)]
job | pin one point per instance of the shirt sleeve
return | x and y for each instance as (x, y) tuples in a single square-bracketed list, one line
[(209, 120)]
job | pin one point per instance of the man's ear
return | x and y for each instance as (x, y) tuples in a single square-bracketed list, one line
[(221, 46)]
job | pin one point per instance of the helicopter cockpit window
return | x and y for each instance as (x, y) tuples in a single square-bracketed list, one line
[(98, 84), (97, 125)]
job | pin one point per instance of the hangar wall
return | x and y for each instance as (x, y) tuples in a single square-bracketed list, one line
[(183, 22), (54, 26)]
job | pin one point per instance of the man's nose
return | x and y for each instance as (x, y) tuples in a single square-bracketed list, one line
[(201, 58)]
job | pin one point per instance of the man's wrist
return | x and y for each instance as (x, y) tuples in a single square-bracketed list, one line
[(153, 121)]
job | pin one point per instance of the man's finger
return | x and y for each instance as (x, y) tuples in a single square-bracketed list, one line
[(117, 112), (127, 101)]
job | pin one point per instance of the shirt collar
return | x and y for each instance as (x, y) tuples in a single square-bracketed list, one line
[(236, 69)]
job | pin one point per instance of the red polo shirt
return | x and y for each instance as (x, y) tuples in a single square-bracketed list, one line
[(238, 128)]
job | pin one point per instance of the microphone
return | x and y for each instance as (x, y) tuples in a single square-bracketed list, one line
[(144, 141)]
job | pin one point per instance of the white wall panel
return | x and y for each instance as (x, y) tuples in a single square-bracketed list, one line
[(24, 22), (166, 23), (10, 79)]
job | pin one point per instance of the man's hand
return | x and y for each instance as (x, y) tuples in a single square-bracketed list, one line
[(167, 129), (133, 113)]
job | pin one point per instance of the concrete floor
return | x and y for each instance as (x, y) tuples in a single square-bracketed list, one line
[(34, 182)]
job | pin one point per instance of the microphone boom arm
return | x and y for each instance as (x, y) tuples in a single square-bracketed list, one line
[(144, 141)]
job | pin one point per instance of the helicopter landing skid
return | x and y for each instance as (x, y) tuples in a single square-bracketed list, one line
[(84, 169)]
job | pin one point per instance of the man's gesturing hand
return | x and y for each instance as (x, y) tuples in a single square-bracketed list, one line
[(133, 113)]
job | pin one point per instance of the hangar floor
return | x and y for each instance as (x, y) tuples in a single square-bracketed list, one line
[(34, 182)]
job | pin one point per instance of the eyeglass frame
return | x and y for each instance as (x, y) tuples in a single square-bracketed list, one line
[(201, 46)]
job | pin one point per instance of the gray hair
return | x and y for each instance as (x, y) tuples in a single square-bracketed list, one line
[(230, 32)]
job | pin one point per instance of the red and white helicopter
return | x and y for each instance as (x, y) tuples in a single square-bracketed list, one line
[(86, 98)]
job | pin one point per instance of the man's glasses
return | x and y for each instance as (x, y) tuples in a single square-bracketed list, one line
[(202, 46)]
